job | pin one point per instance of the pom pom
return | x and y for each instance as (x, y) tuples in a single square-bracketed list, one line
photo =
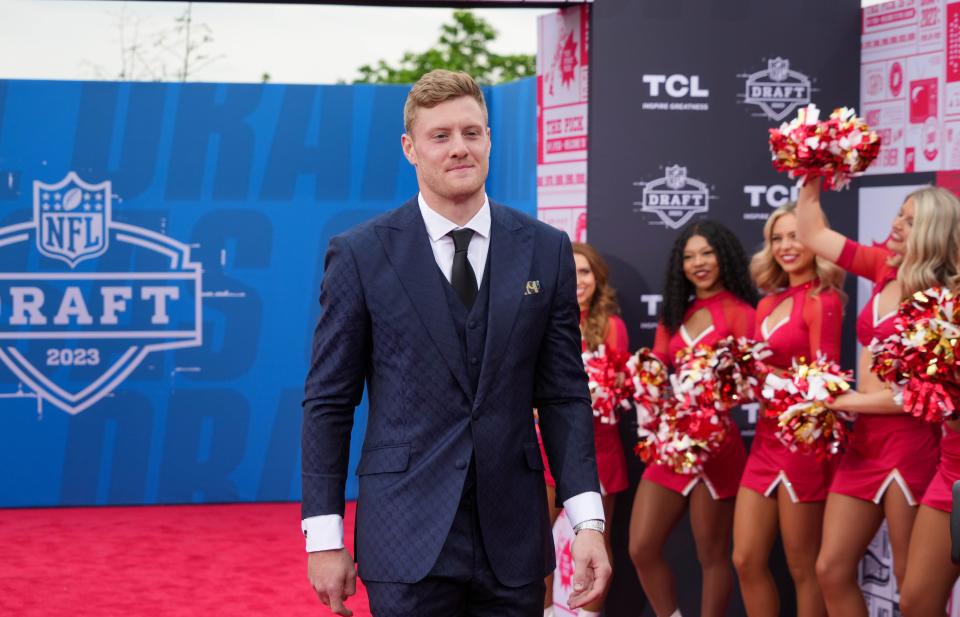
[(610, 385), (683, 430), (886, 360), (684, 437), (721, 376), (920, 360), (837, 149), (797, 401), (740, 370), (651, 385)]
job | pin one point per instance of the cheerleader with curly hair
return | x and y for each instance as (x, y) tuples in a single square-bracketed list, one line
[(708, 296)]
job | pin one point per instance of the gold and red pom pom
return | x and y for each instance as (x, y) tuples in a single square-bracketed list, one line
[(721, 376), (684, 436), (836, 149), (611, 387), (920, 360), (798, 402), (681, 428), (651, 385)]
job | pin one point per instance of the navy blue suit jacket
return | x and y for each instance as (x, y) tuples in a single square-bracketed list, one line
[(386, 322)]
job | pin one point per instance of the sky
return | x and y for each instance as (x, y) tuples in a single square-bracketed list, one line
[(80, 39), (83, 39)]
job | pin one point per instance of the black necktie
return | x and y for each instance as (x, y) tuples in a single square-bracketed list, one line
[(462, 277)]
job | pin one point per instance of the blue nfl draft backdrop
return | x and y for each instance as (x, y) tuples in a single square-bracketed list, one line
[(161, 251), (682, 95)]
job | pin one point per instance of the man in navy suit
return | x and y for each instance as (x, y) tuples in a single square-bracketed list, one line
[(460, 315)]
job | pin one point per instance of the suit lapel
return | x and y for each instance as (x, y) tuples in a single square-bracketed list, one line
[(407, 246), (511, 255)]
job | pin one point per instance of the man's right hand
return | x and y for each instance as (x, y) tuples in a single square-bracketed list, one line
[(334, 578)]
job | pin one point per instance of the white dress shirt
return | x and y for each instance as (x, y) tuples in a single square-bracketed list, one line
[(438, 227), (325, 532)]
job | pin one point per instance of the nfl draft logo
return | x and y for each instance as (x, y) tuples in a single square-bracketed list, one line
[(97, 296), (675, 197), (778, 90)]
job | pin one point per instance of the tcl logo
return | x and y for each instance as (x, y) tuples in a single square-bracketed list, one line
[(676, 85), (774, 196), (652, 303)]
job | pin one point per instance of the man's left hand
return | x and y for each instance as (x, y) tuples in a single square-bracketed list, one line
[(592, 569)]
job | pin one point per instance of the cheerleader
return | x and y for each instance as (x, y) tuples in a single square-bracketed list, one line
[(599, 325), (891, 456), (708, 297), (931, 574), (799, 318), (931, 258)]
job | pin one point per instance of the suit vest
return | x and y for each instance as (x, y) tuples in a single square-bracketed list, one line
[(471, 326)]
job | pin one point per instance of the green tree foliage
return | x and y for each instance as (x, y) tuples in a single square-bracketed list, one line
[(463, 46)]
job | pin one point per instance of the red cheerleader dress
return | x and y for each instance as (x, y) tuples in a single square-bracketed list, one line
[(813, 326), (939, 493), (721, 473), (883, 448)]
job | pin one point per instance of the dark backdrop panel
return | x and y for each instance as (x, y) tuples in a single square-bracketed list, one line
[(683, 93)]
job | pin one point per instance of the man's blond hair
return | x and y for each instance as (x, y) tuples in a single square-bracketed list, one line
[(439, 86)]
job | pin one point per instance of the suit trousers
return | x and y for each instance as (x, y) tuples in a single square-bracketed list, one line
[(461, 583)]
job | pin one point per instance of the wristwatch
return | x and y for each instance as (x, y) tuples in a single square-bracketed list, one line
[(593, 523)]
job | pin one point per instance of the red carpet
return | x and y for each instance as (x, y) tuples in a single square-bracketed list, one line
[(159, 561)]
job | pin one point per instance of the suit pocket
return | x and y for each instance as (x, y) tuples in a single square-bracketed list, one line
[(532, 453), (535, 302), (385, 459)]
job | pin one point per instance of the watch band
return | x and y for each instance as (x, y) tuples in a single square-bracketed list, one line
[(593, 523)]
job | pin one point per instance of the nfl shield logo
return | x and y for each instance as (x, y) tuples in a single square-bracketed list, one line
[(676, 177), (778, 69), (72, 217)]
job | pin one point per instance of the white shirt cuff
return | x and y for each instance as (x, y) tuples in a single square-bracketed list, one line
[(323, 533), (584, 507)]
